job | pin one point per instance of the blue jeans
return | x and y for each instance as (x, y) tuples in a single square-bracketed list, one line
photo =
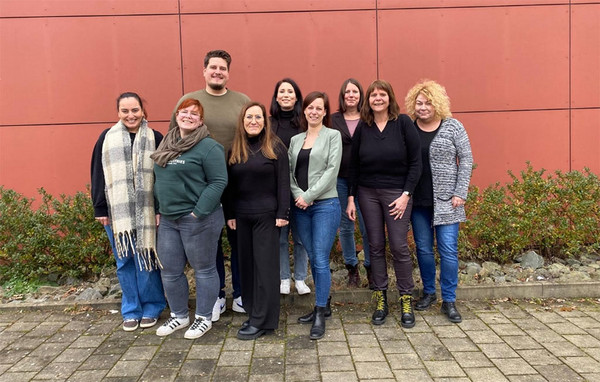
[(317, 226), (143, 294), (446, 237), (194, 241), (300, 256), (347, 227)]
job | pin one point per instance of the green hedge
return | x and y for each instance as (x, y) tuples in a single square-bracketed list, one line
[(58, 239), (556, 214)]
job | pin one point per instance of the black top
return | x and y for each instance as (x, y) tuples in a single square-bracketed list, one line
[(97, 172), (260, 185), (285, 127), (423, 196), (339, 123), (302, 168), (386, 159)]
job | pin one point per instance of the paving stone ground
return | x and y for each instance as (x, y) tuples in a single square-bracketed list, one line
[(512, 340)]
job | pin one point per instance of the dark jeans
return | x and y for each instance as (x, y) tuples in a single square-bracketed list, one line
[(234, 262), (258, 240), (376, 211), (192, 240)]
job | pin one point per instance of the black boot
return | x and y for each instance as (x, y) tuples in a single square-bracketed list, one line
[(425, 301), (408, 315), (318, 327), (381, 309), (449, 309), (369, 277), (308, 318), (353, 276)]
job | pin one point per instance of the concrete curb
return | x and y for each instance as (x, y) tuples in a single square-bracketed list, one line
[(589, 289)]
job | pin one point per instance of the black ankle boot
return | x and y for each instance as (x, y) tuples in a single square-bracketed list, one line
[(426, 301), (318, 327), (353, 276), (308, 318), (408, 315), (449, 309), (381, 309)]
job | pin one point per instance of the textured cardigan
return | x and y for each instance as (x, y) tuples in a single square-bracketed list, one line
[(451, 164), (323, 165)]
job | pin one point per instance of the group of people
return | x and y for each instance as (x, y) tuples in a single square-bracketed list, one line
[(302, 170)]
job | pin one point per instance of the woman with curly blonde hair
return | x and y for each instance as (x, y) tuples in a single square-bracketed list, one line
[(439, 198)]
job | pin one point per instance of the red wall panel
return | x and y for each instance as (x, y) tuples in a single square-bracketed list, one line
[(585, 139), (585, 65), (391, 4), (73, 69), (505, 141), (220, 6), (480, 55), (33, 8), (267, 47)]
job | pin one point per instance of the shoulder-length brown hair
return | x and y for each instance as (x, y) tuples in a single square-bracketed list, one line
[(310, 98), (239, 148), (366, 113)]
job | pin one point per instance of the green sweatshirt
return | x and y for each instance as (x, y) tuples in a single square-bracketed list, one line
[(193, 182)]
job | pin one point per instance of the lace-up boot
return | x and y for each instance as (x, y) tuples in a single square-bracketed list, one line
[(381, 309), (408, 315)]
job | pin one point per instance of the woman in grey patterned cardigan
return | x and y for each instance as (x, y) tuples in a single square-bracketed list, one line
[(439, 198)]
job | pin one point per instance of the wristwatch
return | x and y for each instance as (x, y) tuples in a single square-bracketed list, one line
[(407, 193)]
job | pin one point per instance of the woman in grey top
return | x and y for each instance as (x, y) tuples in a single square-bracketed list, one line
[(440, 195)]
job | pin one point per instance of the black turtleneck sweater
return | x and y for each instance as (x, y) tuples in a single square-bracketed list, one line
[(260, 185), (285, 127)]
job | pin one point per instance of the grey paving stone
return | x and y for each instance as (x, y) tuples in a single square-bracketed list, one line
[(26, 343), (444, 369), (21, 326), (373, 370), (566, 328), (332, 348), (56, 370), (362, 340), (358, 328), (88, 341), (484, 336), (472, 324), (205, 368), (267, 366), (104, 328), (591, 376), (507, 329), (420, 375), (88, 375), (267, 378), (459, 344), (148, 338), (299, 372), (594, 353), (543, 336), (583, 364), (583, 341), (400, 346), (112, 347), (527, 378), (336, 363), (451, 331), (367, 355), (159, 374), (498, 351), (563, 349), (235, 358), (521, 342), (493, 318), (558, 373), (301, 356), (231, 374), (405, 361), (179, 343), (585, 322), (472, 359), (45, 329), (335, 334), (13, 356), (17, 377), (513, 366), (269, 349), (539, 357), (128, 369), (385, 333), (200, 351), (548, 317), (485, 374), (74, 355), (64, 336), (30, 364), (346, 376), (433, 353), (529, 323), (99, 362), (51, 349), (301, 342), (429, 339)]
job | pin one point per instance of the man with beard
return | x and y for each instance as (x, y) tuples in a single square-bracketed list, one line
[(221, 112)]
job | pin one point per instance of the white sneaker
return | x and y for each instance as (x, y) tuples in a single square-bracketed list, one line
[(237, 306), (200, 326), (301, 287), (219, 308), (284, 286), (171, 325)]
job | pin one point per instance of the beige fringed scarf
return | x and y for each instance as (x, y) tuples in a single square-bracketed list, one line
[(129, 175)]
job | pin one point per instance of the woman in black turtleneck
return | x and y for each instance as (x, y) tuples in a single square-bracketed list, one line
[(286, 109), (257, 203)]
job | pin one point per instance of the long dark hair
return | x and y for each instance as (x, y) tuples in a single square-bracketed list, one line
[(276, 109)]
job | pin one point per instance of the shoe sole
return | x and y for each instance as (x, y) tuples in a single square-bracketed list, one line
[(237, 309), (146, 326), (132, 329), (378, 322), (303, 293), (193, 337), (174, 330), (453, 320), (408, 326), (317, 337), (248, 337)]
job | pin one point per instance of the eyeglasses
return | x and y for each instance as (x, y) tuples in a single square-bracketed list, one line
[(191, 114)]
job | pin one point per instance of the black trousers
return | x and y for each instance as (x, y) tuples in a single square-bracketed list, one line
[(258, 250)]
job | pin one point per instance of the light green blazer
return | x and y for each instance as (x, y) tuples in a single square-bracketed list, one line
[(323, 166)]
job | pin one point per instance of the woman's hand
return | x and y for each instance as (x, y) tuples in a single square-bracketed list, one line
[(281, 222), (398, 206), (231, 224), (157, 219), (300, 203), (457, 201), (351, 209), (103, 220)]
